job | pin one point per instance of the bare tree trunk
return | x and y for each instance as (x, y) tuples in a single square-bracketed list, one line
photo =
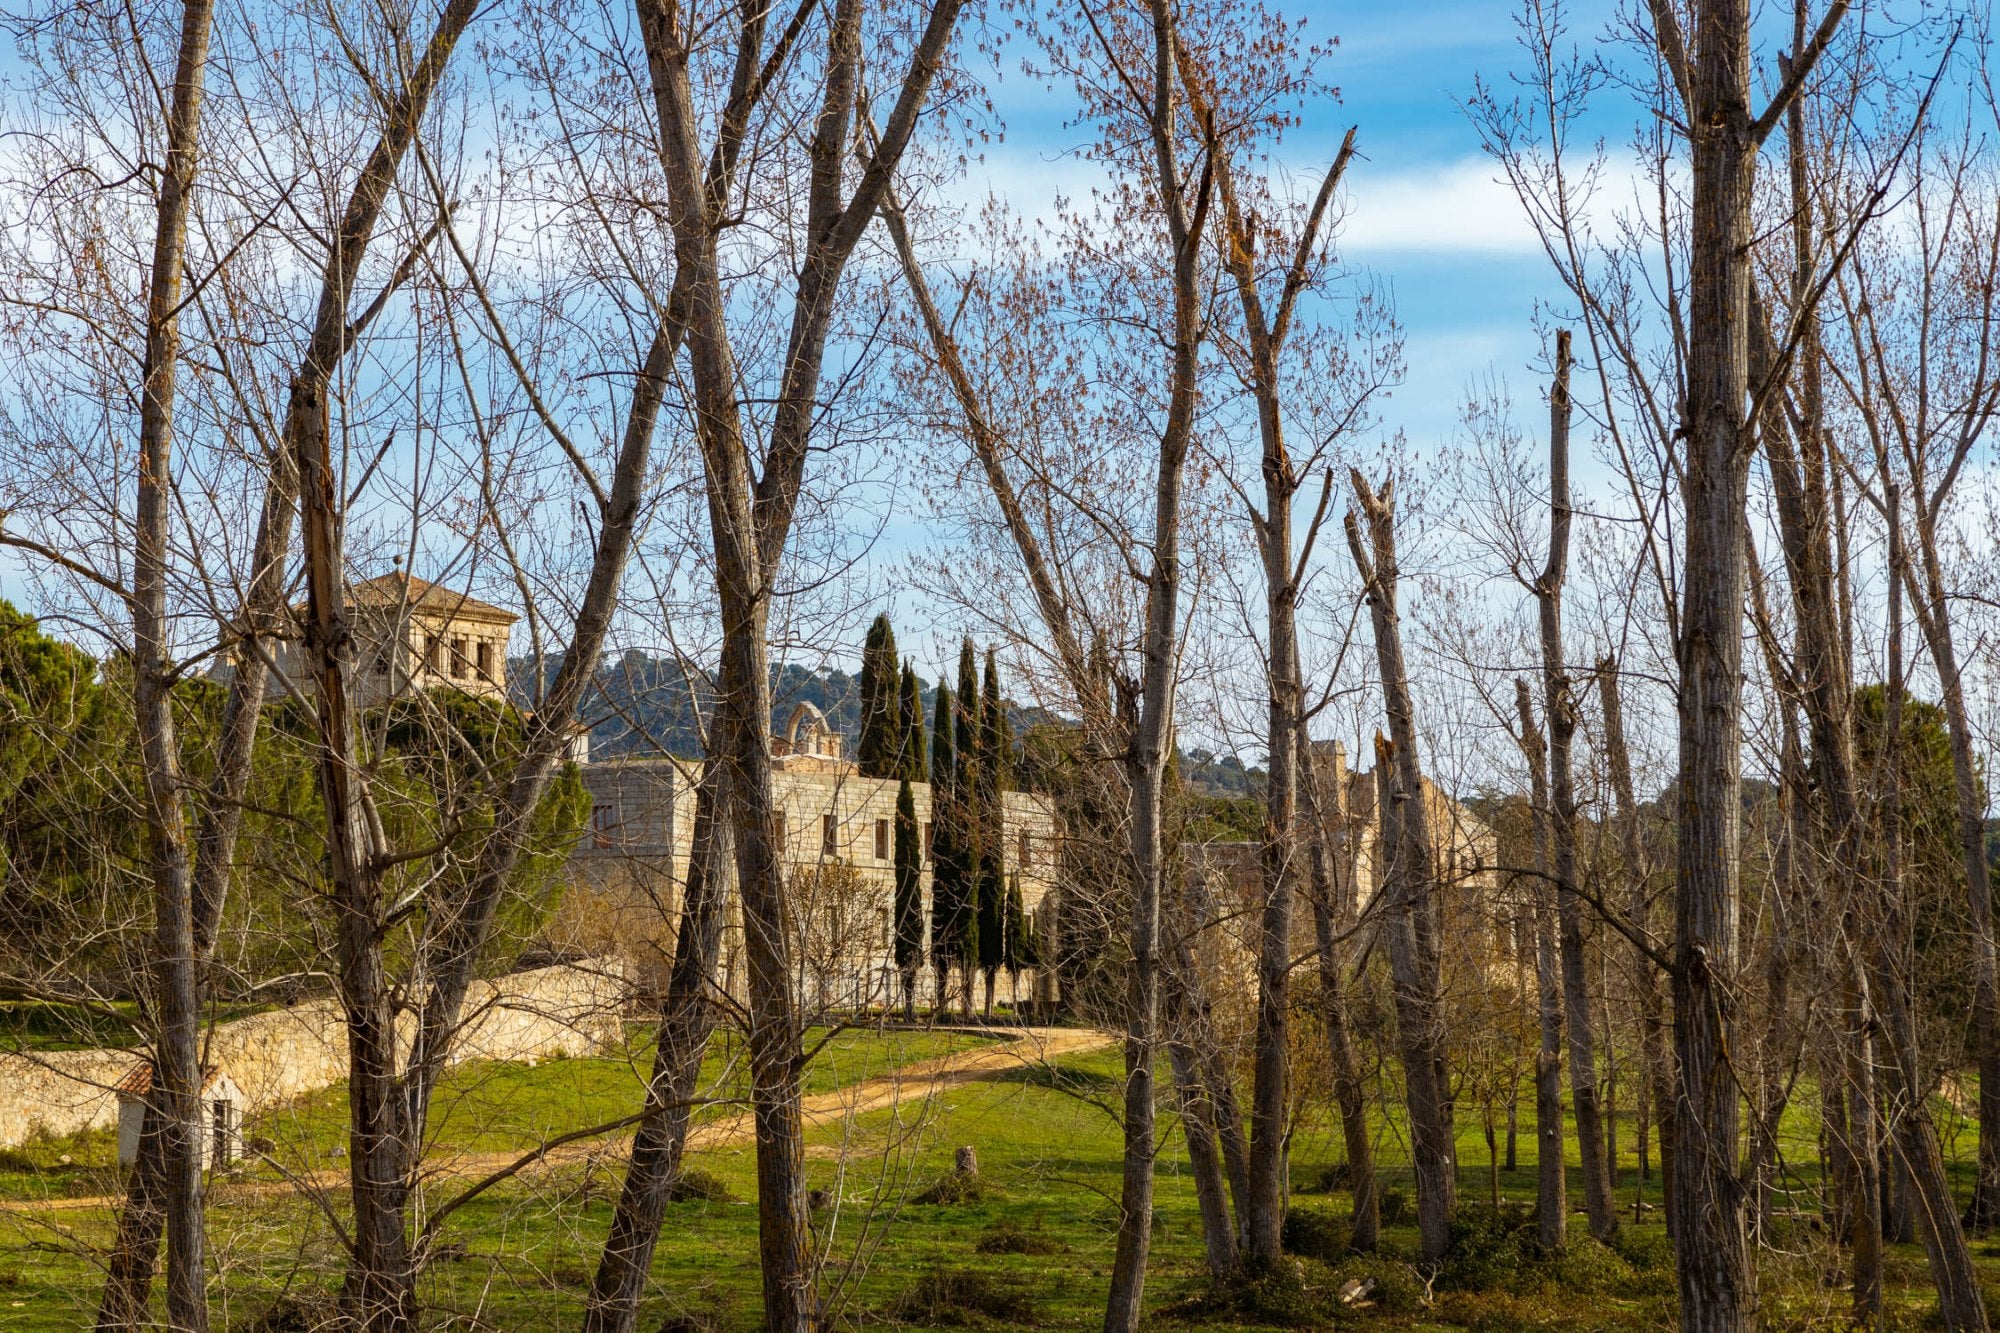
[(1654, 1055), (1183, 1037), (686, 1020), (1718, 1285), (174, 1100), (750, 517), (1551, 1174), (1559, 704), (1411, 887), (1332, 885)]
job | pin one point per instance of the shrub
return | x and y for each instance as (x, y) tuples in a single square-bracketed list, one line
[(961, 1296), (952, 1187), (1003, 1237), (15, 1161), (694, 1185), (1393, 1208), (309, 1311), (1646, 1250), (1317, 1233), (1327, 1180), (1398, 1289)]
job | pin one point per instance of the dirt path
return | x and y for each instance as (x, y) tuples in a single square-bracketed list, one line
[(1027, 1048)]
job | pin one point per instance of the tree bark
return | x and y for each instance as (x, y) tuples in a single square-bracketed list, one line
[(1333, 890), (1551, 1170), (174, 1101), (1655, 1058), (686, 1020), (1411, 887), (1559, 705)]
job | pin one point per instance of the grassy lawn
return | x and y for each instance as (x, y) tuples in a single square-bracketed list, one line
[(1033, 1249)]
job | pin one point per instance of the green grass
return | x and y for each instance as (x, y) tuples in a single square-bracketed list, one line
[(1049, 1151)]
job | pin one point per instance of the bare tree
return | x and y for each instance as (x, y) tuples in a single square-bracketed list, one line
[(1410, 883)]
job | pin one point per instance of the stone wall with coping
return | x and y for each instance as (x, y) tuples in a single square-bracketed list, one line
[(274, 1057)]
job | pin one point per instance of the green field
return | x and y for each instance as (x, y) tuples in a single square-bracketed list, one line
[(1033, 1249)]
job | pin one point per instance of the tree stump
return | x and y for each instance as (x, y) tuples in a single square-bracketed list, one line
[(967, 1162)]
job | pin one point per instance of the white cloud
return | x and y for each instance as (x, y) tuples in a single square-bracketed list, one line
[(1460, 207)]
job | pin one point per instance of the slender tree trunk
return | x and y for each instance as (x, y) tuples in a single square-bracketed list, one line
[(1551, 1173), (1656, 1060), (1718, 1285), (1412, 890), (174, 1100), (1332, 880), (1559, 705), (1184, 1033), (686, 1020)]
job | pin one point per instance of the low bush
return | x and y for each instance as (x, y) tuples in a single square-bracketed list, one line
[(1316, 1233), (1003, 1237), (694, 1185), (960, 1296), (952, 1187), (1397, 1288), (1393, 1208), (310, 1311)]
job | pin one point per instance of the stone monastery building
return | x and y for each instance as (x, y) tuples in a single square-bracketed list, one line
[(836, 831)]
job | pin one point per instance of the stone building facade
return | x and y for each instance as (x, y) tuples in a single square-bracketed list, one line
[(1224, 880), (411, 634), (837, 835)]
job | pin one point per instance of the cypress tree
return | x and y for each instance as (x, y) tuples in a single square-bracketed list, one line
[(993, 751), (916, 760), (945, 883), (881, 713), (1019, 951), (969, 780), (909, 894)]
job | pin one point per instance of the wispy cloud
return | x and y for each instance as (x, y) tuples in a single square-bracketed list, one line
[(1458, 207)]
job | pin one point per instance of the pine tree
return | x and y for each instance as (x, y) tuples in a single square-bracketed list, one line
[(909, 893), (946, 886), (881, 744)]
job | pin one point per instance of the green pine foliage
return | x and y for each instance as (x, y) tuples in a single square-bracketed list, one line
[(969, 784), (1019, 950)]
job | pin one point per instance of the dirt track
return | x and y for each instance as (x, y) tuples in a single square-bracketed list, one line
[(914, 1081)]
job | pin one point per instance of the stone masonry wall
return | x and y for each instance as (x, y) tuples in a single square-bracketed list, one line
[(274, 1057)]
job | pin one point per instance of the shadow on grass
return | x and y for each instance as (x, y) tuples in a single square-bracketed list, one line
[(1091, 1083)]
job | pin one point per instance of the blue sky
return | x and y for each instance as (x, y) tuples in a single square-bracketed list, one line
[(1427, 216)]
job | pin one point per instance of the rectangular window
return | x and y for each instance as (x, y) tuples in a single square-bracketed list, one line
[(929, 826), (882, 840), (778, 830), (433, 653), (1025, 857), (458, 658), (603, 818), (485, 660), (829, 840)]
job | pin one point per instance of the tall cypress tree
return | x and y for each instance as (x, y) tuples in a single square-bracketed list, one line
[(1019, 951), (969, 781), (881, 744), (946, 886), (916, 758), (909, 893), (994, 747)]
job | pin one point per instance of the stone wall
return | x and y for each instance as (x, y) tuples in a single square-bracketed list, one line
[(274, 1057)]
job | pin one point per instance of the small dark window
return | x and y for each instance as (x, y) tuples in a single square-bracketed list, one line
[(433, 652), (929, 827), (485, 659), (1025, 857), (778, 830), (829, 838), (221, 1154), (881, 840)]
